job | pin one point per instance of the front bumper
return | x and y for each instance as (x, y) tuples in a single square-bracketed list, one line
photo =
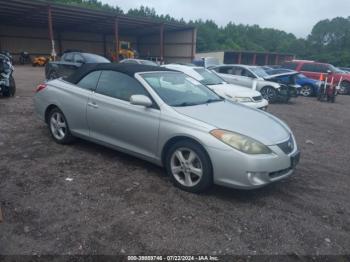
[(263, 104), (238, 170), (288, 91)]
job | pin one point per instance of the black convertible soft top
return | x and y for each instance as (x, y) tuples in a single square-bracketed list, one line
[(129, 69)]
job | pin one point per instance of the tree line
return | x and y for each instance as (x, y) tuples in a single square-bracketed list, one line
[(329, 40)]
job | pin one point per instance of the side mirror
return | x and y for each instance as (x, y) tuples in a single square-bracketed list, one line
[(329, 72), (80, 61), (140, 100)]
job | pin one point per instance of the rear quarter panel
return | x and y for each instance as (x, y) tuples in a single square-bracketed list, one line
[(70, 99)]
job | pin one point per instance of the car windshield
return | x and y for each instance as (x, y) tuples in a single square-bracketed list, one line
[(91, 58), (209, 78), (259, 72), (147, 62), (177, 89)]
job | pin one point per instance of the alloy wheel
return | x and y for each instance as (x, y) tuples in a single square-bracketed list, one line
[(58, 126), (186, 167), (306, 91)]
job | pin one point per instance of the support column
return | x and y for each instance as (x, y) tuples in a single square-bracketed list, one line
[(161, 43), (254, 59), (59, 40), (193, 44), (104, 45), (239, 58), (266, 59), (277, 59), (53, 51), (116, 37)]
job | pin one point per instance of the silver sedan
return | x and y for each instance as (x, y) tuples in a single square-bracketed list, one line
[(172, 120)]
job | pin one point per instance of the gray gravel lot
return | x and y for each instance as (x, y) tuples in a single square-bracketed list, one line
[(117, 204)]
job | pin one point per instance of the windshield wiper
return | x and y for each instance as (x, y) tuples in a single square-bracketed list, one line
[(185, 104), (213, 100)]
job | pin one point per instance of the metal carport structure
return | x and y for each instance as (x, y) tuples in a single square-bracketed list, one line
[(34, 25)]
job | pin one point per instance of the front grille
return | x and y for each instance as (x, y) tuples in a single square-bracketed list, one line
[(257, 98), (288, 146)]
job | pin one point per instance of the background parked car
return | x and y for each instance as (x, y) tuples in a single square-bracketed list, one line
[(309, 86), (314, 70), (70, 62), (231, 92), (138, 61), (253, 77), (206, 62), (286, 79)]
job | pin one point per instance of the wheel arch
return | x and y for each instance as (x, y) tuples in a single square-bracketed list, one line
[(176, 139), (48, 110)]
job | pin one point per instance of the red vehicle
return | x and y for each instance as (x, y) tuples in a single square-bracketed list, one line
[(314, 70)]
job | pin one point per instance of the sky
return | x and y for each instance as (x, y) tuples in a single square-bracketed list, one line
[(293, 16)]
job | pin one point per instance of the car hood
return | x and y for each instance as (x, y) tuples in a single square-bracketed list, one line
[(280, 75), (235, 90), (241, 119)]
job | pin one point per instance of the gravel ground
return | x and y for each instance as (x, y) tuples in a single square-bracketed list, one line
[(117, 204)]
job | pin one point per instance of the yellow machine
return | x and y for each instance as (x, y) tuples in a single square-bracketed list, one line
[(41, 60), (125, 51)]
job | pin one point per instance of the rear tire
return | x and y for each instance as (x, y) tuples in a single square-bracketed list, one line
[(189, 167), (58, 127)]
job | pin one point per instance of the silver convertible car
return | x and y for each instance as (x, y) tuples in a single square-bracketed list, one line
[(172, 120)]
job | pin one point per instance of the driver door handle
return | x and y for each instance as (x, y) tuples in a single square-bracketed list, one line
[(93, 104)]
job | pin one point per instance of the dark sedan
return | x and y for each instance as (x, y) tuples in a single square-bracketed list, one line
[(70, 62)]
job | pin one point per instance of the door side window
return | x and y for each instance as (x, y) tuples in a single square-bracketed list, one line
[(118, 85), (318, 68), (237, 71), (78, 58), (247, 73), (226, 70), (68, 57), (89, 82)]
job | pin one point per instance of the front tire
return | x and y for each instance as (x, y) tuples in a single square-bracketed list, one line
[(189, 167), (269, 93), (306, 90), (59, 128)]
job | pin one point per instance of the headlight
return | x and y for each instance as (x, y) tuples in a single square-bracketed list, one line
[(319, 83), (240, 142), (243, 99)]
